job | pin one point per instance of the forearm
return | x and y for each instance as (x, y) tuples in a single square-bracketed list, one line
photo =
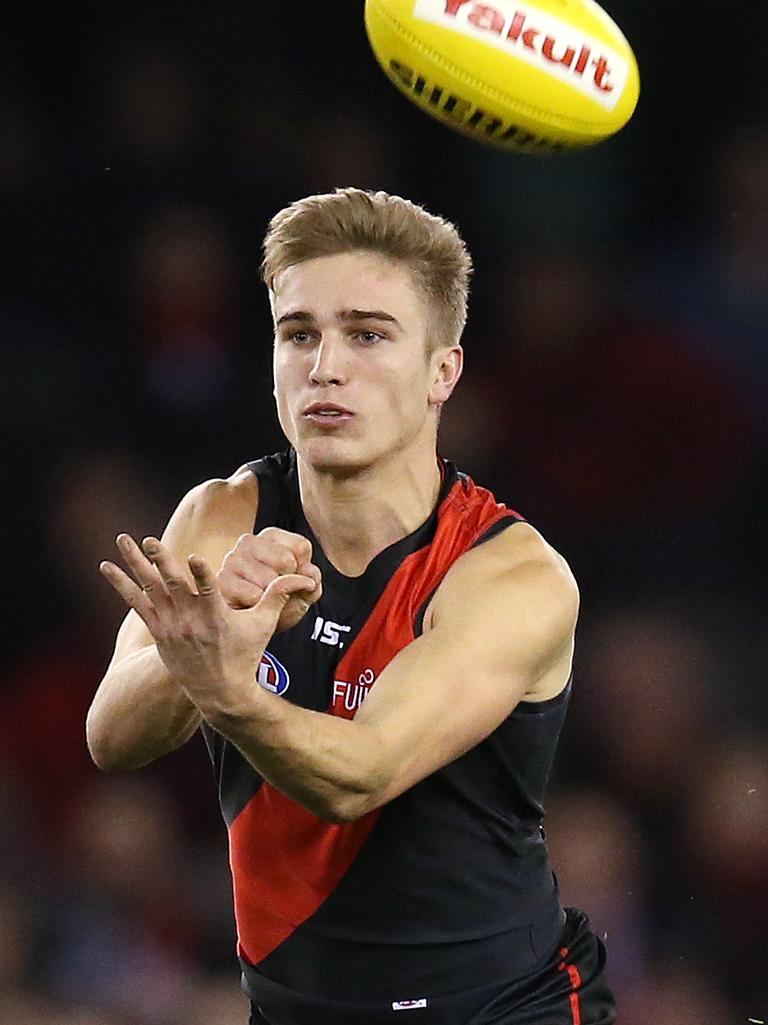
[(331, 766), (138, 713)]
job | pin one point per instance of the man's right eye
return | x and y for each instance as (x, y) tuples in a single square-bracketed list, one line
[(299, 337)]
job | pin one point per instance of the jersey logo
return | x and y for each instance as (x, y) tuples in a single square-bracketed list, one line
[(350, 696), (407, 1005), (328, 632), (272, 675)]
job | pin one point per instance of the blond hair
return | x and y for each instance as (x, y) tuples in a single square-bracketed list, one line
[(355, 219)]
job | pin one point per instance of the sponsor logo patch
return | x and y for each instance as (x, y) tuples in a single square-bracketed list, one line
[(408, 1005), (348, 696), (272, 675)]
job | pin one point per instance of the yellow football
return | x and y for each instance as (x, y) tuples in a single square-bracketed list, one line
[(549, 75)]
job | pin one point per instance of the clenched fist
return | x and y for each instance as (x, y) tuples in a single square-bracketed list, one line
[(257, 560)]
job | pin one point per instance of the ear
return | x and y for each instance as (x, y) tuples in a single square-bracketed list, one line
[(448, 365)]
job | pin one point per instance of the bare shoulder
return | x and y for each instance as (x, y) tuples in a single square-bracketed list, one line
[(522, 544), (212, 515), (517, 561), (207, 522), (517, 600), (223, 498)]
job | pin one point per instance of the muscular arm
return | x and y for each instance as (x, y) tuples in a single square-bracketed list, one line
[(139, 712), (503, 619)]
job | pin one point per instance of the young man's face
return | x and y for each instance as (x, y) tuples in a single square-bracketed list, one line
[(351, 333)]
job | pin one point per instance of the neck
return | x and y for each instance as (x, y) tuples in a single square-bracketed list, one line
[(356, 517)]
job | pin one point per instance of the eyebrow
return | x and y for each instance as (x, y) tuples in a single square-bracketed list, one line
[(303, 317)]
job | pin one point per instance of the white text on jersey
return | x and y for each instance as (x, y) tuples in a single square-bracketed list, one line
[(328, 632)]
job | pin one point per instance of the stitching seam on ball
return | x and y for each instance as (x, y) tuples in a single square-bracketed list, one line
[(551, 119)]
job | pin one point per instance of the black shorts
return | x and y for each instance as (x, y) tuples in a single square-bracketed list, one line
[(567, 989)]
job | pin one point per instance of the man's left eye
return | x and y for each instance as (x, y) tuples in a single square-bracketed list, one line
[(369, 336)]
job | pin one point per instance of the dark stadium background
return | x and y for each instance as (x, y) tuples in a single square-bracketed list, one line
[(616, 394)]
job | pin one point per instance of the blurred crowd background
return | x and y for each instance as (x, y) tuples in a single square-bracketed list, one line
[(616, 394)]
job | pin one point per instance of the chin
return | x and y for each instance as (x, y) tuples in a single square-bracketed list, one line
[(339, 456)]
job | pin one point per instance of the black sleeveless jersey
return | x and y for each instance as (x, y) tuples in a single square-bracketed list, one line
[(447, 887)]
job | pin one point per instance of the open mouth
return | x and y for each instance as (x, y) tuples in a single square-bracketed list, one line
[(330, 414)]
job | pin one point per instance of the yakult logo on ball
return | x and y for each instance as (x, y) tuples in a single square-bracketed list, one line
[(538, 38)]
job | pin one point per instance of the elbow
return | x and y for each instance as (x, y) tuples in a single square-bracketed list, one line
[(108, 760), (95, 744), (101, 751), (336, 804), (349, 805), (105, 764), (354, 800), (104, 755), (101, 756)]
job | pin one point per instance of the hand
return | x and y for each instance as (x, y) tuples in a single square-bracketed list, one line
[(257, 560), (211, 649)]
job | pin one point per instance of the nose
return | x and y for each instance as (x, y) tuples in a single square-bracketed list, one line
[(328, 367)]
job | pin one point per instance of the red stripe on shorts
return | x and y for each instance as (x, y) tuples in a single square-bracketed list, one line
[(575, 977)]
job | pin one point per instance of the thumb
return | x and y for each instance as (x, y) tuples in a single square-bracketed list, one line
[(276, 595)]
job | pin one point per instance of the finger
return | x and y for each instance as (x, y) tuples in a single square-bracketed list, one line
[(258, 561), (258, 576), (145, 573), (281, 589), (300, 546), (266, 614), (130, 592), (239, 593), (244, 600), (265, 562), (205, 581), (277, 557), (172, 574), (312, 571)]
